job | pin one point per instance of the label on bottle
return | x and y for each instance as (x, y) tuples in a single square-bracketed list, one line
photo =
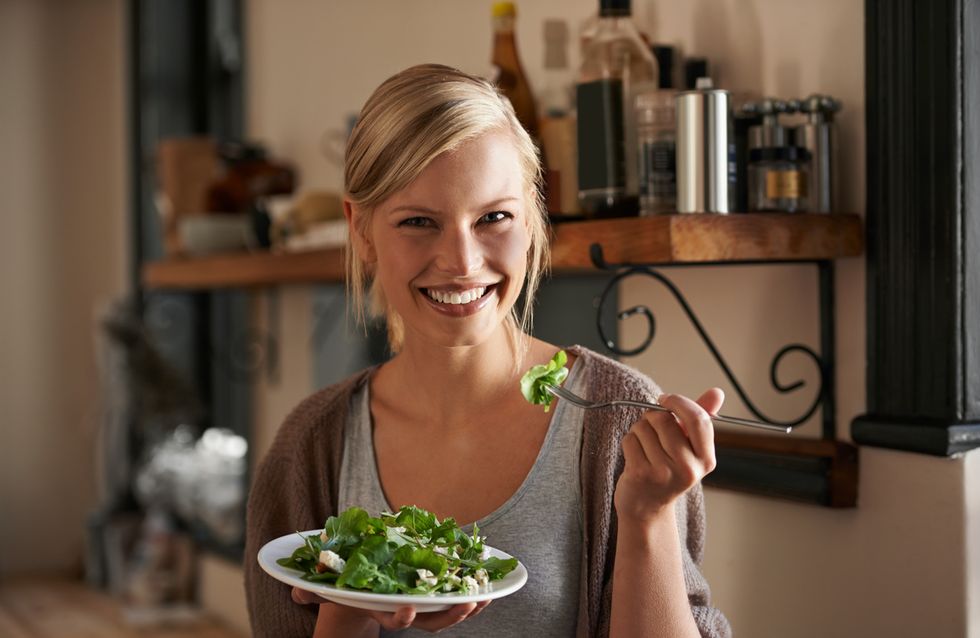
[(784, 185), (601, 161), (657, 171)]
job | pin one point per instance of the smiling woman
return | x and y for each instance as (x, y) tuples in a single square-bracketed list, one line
[(461, 152), (604, 510)]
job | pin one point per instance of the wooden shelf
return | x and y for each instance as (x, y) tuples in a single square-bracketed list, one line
[(234, 270), (664, 239)]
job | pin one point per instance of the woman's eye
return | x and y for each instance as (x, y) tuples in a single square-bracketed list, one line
[(416, 222), (495, 217)]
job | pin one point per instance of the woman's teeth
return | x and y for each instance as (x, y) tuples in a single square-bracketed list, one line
[(458, 297)]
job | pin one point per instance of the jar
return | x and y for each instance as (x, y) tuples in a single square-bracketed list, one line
[(778, 178), (656, 137)]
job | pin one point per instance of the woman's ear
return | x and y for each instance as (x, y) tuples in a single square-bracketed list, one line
[(362, 241)]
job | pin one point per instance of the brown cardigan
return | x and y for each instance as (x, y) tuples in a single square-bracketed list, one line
[(296, 488)]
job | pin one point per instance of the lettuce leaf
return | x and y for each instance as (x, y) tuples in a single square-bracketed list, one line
[(535, 381)]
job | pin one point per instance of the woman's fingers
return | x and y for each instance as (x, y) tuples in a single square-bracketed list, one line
[(712, 400), (303, 597), (437, 620), (697, 423)]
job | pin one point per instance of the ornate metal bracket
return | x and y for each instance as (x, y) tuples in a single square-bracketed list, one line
[(823, 394)]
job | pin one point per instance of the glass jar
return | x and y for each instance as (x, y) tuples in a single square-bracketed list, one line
[(656, 138), (778, 178)]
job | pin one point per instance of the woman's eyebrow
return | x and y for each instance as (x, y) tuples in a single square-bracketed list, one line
[(415, 208)]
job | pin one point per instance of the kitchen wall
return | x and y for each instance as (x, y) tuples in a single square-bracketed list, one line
[(899, 564), (62, 258)]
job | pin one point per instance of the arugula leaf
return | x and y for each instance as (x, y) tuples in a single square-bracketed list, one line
[(345, 531), (535, 380)]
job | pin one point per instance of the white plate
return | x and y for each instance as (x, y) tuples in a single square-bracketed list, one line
[(284, 546)]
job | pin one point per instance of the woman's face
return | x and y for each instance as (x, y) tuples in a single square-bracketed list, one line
[(451, 248)]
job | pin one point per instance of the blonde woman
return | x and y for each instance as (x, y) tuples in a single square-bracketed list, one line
[(604, 508)]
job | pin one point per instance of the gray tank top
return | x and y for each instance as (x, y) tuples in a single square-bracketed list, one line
[(540, 524)]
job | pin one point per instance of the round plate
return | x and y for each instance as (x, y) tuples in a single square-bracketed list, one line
[(284, 546)]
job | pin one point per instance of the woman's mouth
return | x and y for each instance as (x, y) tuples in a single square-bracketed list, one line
[(459, 303)]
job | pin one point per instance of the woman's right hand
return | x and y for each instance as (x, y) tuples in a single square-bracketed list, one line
[(402, 618)]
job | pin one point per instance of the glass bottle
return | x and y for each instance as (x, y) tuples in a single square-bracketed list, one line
[(616, 63), (511, 79)]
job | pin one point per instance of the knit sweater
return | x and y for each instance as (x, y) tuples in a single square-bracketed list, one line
[(296, 488)]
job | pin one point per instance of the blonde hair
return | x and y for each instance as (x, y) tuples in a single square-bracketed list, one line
[(412, 118)]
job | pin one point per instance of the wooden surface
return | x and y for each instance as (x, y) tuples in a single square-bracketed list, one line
[(842, 458), (653, 240), (709, 238), (46, 607), (246, 269)]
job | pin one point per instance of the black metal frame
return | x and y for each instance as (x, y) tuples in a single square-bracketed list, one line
[(824, 397), (805, 477)]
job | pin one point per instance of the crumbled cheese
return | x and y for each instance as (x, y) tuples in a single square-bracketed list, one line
[(332, 561), (470, 586), (482, 578), (426, 577)]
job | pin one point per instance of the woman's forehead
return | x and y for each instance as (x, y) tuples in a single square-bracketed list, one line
[(479, 171)]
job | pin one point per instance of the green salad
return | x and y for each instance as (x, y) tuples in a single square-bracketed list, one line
[(535, 381), (410, 552)]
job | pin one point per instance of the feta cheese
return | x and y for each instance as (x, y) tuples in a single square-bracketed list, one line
[(470, 586), (332, 561), (482, 578), (426, 577), (452, 581)]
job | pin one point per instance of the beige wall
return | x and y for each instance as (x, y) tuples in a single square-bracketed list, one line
[(62, 255)]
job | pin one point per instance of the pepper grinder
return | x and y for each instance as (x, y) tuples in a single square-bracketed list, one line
[(817, 136), (770, 133)]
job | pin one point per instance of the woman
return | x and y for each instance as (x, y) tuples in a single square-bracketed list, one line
[(603, 507)]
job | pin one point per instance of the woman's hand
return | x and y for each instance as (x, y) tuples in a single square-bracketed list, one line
[(402, 618), (666, 454)]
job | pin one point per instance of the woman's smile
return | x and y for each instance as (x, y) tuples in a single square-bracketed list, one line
[(460, 302)]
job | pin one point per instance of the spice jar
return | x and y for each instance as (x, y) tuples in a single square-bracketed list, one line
[(778, 179)]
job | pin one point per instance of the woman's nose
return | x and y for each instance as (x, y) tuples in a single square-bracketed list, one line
[(459, 254)]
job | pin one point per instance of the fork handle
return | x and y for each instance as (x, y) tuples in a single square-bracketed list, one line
[(717, 418)]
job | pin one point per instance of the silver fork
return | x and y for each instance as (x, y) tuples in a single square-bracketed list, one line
[(575, 399)]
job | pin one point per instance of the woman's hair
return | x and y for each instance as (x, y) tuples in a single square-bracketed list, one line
[(412, 118)]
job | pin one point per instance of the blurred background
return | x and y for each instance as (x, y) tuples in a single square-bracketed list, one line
[(136, 401)]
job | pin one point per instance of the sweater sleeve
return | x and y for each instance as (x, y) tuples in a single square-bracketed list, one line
[(293, 489), (276, 506), (691, 527)]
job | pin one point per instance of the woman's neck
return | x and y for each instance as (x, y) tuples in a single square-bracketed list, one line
[(450, 384)]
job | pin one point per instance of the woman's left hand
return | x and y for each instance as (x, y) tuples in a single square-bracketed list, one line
[(666, 454)]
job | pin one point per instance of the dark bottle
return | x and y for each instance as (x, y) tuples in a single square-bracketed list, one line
[(511, 79), (616, 62)]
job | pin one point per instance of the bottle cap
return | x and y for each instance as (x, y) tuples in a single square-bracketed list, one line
[(694, 68), (502, 9), (609, 8)]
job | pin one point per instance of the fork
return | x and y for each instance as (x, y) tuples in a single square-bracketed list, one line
[(575, 399)]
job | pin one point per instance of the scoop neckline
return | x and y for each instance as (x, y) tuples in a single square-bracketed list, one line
[(513, 499)]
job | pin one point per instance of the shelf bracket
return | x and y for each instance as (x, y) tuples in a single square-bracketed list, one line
[(822, 471), (823, 396)]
